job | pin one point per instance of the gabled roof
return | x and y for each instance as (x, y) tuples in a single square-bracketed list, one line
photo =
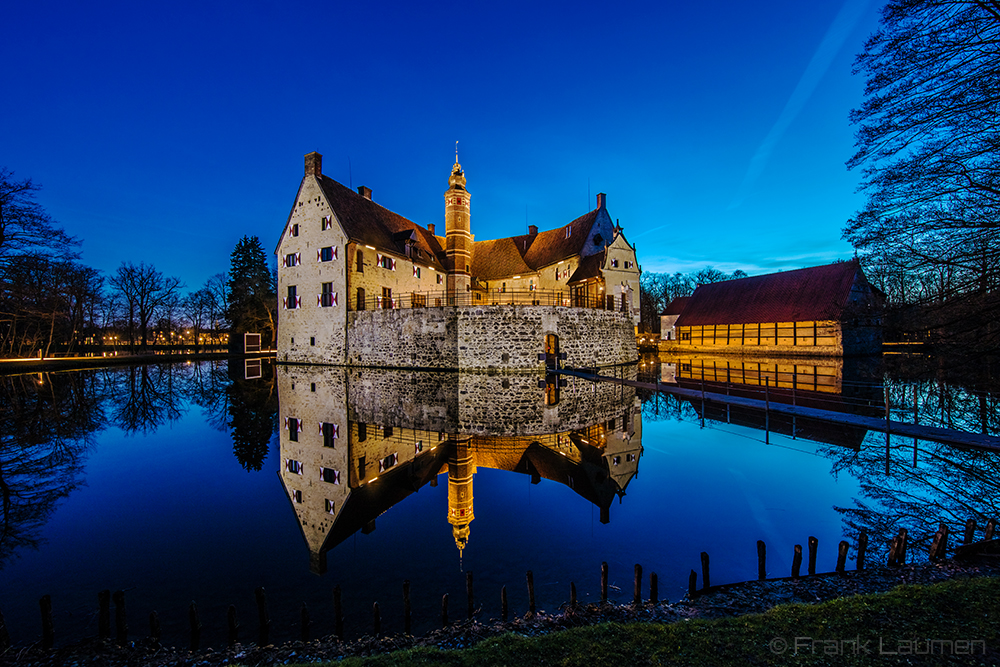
[(367, 223), (500, 258), (551, 246), (817, 293), (590, 267), (676, 307)]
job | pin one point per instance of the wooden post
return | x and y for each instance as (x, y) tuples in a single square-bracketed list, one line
[(4, 635), (654, 588), (232, 626), (842, 556), (407, 617), (970, 531), (265, 623), (797, 561), (604, 582), (468, 592), (893, 558), (121, 626), (195, 626), (572, 595), (903, 542), (376, 620), (990, 527), (862, 548), (444, 610), (503, 603), (531, 593), (939, 544), (104, 614), (704, 572), (761, 560), (304, 622), (48, 629), (338, 613), (813, 544), (692, 584), (154, 627), (637, 586)]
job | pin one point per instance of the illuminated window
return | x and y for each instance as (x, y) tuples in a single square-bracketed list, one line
[(294, 467), (329, 475)]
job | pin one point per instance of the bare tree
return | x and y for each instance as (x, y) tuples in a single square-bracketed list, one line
[(24, 224), (144, 292)]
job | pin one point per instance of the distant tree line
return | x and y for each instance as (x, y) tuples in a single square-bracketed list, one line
[(659, 289), (928, 146), (51, 303)]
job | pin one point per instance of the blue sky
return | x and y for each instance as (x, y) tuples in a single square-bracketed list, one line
[(164, 132)]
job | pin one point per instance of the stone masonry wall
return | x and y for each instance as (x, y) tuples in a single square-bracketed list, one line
[(488, 338)]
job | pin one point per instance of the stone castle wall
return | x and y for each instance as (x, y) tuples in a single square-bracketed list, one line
[(488, 338)]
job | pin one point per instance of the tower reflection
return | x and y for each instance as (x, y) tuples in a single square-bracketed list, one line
[(354, 444)]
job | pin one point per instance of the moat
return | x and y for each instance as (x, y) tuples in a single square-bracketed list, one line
[(202, 482)]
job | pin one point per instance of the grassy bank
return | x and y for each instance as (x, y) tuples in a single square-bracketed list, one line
[(955, 621)]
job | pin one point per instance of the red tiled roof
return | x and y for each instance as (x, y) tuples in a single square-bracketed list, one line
[(590, 267), (817, 293), (368, 223), (551, 246), (676, 307), (500, 258)]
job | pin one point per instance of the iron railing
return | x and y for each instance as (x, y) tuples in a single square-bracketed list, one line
[(494, 297)]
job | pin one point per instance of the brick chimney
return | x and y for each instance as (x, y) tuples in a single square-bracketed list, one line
[(365, 192), (314, 164), (602, 200), (430, 228), (532, 230)]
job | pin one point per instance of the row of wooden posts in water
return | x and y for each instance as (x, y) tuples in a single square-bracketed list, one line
[(896, 556)]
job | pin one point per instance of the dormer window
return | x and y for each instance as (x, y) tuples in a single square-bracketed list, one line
[(569, 230), (614, 263)]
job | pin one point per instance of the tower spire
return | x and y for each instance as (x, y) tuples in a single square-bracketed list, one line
[(456, 152)]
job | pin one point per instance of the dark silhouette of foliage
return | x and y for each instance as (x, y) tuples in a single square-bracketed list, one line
[(252, 298)]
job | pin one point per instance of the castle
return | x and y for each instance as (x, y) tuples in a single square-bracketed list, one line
[(391, 293)]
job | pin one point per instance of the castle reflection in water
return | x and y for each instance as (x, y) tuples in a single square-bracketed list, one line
[(354, 443)]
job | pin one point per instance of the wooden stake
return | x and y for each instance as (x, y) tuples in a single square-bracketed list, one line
[(990, 527), (637, 587), (813, 544), (154, 627), (572, 595), (862, 548), (265, 623), (304, 622), (531, 593), (121, 626), (761, 560), (407, 617), (653, 588), (338, 613), (903, 542), (195, 626), (970, 531), (704, 572), (104, 615), (893, 558), (604, 582), (842, 556), (797, 561), (48, 629), (503, 603), (376, 620), (444, 610), (232, 626), (692, 584)]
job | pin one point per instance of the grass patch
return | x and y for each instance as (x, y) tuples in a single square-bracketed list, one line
[(876, 629)]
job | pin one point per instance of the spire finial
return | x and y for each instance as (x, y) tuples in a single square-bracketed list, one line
[(456, 152)]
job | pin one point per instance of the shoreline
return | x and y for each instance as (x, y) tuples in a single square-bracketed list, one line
[(731, 600)]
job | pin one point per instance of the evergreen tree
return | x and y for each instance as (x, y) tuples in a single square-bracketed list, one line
[(252, 299)]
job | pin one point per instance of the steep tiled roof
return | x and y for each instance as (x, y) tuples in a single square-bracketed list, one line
[(676, 307), (496, 259), (551, 246), (817, 293), (368, 223)]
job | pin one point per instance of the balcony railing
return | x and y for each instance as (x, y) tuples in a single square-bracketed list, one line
[(492, 298)]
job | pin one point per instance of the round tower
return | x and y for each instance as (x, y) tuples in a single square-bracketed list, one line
[(460, 472), (458, 235)]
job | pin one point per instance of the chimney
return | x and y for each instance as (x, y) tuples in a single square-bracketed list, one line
[(532, 230), (314, 164), (430, 228), (602, 200), (365, 192)]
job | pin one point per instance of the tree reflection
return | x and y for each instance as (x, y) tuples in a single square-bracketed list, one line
[(146, 396), (253, 415), (45, 429)]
